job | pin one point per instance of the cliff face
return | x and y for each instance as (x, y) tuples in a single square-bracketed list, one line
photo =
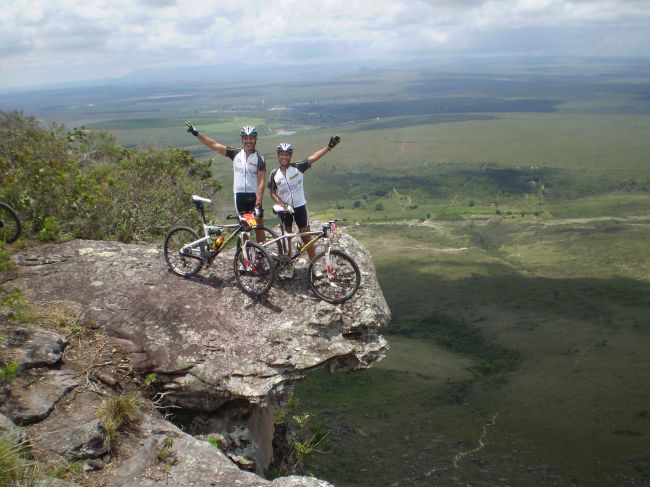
[(224, 360)]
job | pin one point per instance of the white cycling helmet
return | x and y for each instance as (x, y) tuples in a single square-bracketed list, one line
[(285, 147), (248, 130)]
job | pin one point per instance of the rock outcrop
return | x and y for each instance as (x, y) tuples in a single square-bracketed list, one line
[(222, 361)]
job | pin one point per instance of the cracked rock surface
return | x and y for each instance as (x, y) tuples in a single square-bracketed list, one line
[(205, 339), (225, 358)]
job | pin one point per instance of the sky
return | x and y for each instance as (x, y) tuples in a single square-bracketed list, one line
[(63, 41)]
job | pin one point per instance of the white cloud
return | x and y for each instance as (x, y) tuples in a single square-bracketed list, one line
[(105, 38)]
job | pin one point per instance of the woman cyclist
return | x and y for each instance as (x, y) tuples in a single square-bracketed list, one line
[(287, 188)]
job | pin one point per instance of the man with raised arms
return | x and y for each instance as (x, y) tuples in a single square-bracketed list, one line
[(249, 171)]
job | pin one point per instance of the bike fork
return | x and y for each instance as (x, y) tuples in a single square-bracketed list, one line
[(247, 261), (328, 263)]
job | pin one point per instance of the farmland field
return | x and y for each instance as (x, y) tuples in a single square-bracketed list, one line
[(508, 215)]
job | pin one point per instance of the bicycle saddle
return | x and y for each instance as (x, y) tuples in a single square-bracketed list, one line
[(197, 199)]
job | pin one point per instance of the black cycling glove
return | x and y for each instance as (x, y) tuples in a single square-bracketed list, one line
[(333, 141), (191, 129)]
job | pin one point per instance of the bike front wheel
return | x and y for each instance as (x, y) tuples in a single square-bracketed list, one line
[(9, 224), (254, 269), (335, 281), (189, 262)]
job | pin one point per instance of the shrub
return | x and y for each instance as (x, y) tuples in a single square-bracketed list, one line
[(165, 454), (302, 437), (51, 229), (151, 193), (116, 412), (9, 372), (80, 183), (214, 441), (6, 264)]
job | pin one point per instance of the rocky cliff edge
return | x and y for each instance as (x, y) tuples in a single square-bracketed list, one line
[(219, 361)]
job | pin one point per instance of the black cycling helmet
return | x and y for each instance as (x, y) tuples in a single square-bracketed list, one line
[(285, 147)]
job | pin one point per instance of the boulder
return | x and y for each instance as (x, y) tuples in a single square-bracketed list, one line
[(160, 452), (35, 393), (9, 430), (76, 441), (30, 347)]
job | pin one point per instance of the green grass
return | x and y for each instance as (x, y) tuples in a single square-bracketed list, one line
[(614, 204), (559, 307), (117, 412), (584, 144), (163, 131), (16, 468)]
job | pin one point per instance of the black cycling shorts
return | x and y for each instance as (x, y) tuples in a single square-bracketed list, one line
[(300, 214), (245, 203)]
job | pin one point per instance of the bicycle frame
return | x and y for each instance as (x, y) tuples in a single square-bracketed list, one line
[(285, 239), (207, 253), (186, 253)]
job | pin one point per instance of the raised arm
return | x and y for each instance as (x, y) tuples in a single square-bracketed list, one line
[(321, 152), (212, 144)]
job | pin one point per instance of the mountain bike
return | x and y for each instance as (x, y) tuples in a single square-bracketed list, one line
[(186, 253), (332, 274), (10, 227)]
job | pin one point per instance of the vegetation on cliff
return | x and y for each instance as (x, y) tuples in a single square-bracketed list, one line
[(81, 183)]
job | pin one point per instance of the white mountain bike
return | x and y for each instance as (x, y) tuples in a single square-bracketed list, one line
[(186, 253)]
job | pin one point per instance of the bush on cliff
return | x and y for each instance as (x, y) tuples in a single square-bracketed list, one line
[(83, 184)]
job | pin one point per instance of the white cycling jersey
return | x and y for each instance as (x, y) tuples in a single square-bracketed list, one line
[(245, 169), (289, 185)]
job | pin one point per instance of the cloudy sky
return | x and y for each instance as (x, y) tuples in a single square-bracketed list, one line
[(45, 41)]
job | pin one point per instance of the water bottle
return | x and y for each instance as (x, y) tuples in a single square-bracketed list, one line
[(218, 242)]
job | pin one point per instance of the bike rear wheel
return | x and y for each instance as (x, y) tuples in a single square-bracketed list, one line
[(10, 227), (185, 264), (336, 283), (254, 269)]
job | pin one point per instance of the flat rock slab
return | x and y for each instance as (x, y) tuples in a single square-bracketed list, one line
[(7, 428), (206, 340), (34, 394), (77, 441), (30, 347)]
